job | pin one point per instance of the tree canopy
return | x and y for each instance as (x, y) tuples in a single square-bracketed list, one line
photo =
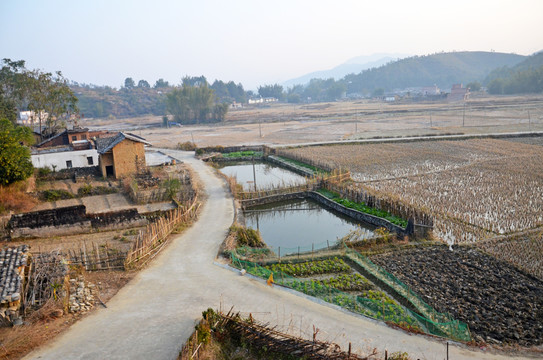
[(15, 164), (194, 104), (47, 95)]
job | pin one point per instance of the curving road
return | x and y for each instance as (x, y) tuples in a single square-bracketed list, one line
[(155, 313)]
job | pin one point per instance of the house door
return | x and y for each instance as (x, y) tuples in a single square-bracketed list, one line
[(109, 170)]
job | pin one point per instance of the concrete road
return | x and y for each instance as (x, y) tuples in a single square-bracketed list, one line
[(155, 313)]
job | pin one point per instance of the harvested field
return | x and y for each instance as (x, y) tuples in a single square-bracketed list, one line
[(523, 250), (500, 304), (282, 123), (462, 182)]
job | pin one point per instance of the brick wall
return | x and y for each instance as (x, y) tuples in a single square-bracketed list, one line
[(128, 158)]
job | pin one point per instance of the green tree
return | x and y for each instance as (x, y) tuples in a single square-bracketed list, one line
[(13, 88), (51, 99), (474, 86), (275, 91), (192, 104), (143, 84), (15, 164), (160, 83), (129, 83)]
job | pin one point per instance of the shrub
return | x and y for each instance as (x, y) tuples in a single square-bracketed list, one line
[(54, 195), (247, 236), (187, 146), (14, 198)]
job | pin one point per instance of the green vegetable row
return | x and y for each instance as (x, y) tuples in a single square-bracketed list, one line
[(363, 208), (316, 267), (239, 154)]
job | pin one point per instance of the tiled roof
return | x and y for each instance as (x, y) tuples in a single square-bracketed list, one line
[(11, 260), (103, 145)]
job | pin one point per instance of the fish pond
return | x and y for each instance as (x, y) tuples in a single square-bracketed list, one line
[(301, 223), (267, 175)]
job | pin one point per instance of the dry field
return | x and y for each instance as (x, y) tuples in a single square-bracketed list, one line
[(300, 123), (523, 250), (475, 188)]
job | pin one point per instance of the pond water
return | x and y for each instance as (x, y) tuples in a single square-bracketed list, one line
[(267, 175), (302, 223)]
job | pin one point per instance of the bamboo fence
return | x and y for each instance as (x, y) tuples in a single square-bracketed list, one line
[(263, 336), (151, 240), (95, 257), (311, 184)]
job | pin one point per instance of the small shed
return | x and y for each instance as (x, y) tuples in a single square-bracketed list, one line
[(121, 155)]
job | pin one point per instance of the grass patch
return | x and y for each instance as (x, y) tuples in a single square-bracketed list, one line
[(54, 195), (363, 208), (240, 154)]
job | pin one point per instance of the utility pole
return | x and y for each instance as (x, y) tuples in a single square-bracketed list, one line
[(464, 114), (254, 172)]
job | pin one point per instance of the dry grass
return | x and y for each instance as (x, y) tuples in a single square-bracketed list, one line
[(15, 198)]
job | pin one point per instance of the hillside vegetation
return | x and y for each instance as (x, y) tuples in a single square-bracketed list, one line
[(442, 69), (525, 77)]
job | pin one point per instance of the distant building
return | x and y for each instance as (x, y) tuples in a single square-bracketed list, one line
[(29, 118), (236, 105), (430, 90), (121, 155), (458, 93)]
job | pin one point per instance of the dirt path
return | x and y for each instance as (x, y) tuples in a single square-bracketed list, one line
[(156, 312)]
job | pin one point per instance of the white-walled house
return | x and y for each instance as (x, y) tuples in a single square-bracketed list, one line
[(64, 158)]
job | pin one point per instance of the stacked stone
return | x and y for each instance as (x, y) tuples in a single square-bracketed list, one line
[(81, 295), (12, 263)]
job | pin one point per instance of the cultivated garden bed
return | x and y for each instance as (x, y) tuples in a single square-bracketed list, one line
[(501, 304)]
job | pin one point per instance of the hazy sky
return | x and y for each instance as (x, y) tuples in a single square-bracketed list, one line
[(250, 41)]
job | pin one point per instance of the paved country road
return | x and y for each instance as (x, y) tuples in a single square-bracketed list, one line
[(155, 313)]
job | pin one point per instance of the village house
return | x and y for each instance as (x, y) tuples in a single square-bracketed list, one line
[(458, 93), (121, 155)]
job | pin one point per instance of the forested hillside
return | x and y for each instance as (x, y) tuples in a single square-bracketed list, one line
[(525, 77), (442, 69)]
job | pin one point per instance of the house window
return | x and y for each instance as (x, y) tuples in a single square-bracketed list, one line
[(83, 137), (69, 164), (90, 160), (74, 138)]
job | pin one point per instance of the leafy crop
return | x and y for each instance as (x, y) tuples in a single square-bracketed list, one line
[(308, 268), (239, 154), (363, 208)]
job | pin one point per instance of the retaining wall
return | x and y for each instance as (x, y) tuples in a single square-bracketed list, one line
[(272, 198), (70, 220), (360, 216), (292, 167)]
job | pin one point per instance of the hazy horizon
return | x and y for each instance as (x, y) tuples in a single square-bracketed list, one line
[(255, 43)]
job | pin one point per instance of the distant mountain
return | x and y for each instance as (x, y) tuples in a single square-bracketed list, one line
[(351, 66), (443, 70)]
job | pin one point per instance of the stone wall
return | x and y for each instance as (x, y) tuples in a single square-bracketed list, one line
[(357, 215), (51, 217), (300, 170), (70, 220), (272, 199)]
